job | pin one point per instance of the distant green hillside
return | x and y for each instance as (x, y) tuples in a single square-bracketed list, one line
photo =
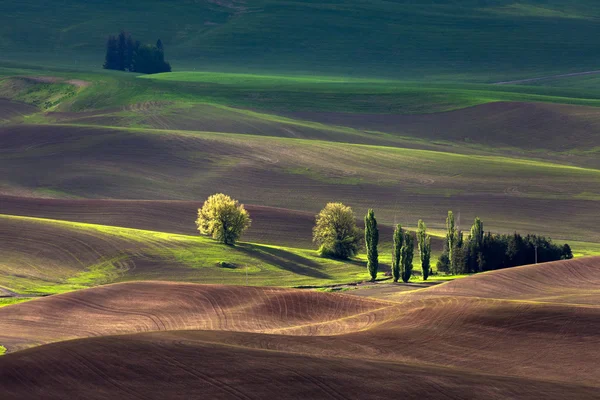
[(471, 39)]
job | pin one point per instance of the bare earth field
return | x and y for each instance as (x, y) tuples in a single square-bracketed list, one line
[(10, 110), (527, 126), (474, 335)]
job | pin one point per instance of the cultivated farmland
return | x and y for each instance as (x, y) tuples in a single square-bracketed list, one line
[(402, 111)]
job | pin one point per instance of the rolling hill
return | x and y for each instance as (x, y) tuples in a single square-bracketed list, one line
[(42, 256), (413, 108), (469, 39), (443, 337), (402, 184)]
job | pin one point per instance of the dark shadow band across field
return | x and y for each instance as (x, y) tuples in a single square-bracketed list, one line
[(290, 262)]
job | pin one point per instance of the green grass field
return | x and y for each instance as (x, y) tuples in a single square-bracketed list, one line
[(468, 40), (275, 93), (122, 254)]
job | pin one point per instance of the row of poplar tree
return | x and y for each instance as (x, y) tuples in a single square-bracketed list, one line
[(338, 236), (403, 250), (125, 54)]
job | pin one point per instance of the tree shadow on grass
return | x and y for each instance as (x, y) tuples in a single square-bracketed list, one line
[(284, 259)]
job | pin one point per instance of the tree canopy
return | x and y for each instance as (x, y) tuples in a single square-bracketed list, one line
[(223, 218), (125, 54), (336, 232), (372, 240)]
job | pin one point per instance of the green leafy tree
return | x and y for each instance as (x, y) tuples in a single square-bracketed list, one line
[(223, 218), (406, 257), (424, 242), (397, 252), (336, 233), (443, 264), (372, 240)]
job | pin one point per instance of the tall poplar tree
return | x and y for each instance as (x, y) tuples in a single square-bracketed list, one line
[(424, 248), (476, 246), (397, 252), (450, 235), (406, 256), (372, 240)]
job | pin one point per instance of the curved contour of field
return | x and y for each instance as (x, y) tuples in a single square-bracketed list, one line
[(164, 306), (52, 256), (184, 365), (557, 343), (92, 162), (526, 126), (574, 281)]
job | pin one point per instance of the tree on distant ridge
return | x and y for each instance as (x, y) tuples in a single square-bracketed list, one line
[(111, 59), (125, 54), (150, 60), (122, 51)]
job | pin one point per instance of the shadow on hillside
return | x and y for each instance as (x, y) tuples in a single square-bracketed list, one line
[(288, 261)]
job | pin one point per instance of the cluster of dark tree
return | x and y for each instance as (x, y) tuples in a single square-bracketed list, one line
[(125, 54), (487, 252)]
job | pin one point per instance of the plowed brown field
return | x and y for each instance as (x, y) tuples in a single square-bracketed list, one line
[(184, 365), (501, 125), (487, 336), (10, 110)]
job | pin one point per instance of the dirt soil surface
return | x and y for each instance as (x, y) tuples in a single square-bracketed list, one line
[(10, 110), (491, 336)]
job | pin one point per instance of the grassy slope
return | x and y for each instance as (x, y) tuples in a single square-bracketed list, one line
[(288, 93), (219, 102), (51, 256), (469, 38)]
